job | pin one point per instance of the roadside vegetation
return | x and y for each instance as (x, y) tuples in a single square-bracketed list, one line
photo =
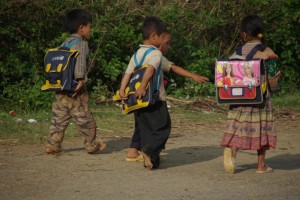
[(21, 128), (202, 32)]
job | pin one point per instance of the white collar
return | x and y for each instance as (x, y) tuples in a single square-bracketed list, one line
[(147, 46)]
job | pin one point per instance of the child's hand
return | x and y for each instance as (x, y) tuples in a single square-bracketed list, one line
[(78, 87), (123, 95), (199, 79), (140, 92)]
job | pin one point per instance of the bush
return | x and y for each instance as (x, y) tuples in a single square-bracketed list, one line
[(202, 31)]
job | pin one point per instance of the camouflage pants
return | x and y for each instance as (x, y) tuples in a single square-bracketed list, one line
[(63, 109)]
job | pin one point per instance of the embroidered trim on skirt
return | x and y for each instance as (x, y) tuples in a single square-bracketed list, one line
[(250, 127)]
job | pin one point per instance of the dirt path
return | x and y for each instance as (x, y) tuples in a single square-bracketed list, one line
[(191, 169)]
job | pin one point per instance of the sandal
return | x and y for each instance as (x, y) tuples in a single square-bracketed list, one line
[(228, 161), (138, 158), (101, 147), (268, 170)]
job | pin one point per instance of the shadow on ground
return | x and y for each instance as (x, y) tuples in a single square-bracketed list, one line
[(280, 162), (190, 155)]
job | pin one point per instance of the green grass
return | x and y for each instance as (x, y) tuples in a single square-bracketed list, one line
[(110, 121), (12, 131), (195, 116), (291, 101)]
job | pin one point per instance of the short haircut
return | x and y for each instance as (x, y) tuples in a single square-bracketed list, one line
[(75, 18), (153, 25)]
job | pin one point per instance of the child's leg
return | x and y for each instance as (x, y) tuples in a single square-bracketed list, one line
[(234, 152), (261, 159), (155, 123), (261, 164), (59, 122), (135, 145), (84, 120)]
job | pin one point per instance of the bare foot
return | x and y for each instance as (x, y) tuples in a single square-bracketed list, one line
[(102, 145), (147, 161), (132, 153), (234, 152)]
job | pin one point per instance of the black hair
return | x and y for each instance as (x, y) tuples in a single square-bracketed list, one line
[(253, 25), (152, 24), (75, 18), (167, 32)]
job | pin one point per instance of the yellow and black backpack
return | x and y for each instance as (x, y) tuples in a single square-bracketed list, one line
[(59, 66), (152, 91)]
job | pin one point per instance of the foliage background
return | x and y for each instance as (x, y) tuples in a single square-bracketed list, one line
[(202, 31)]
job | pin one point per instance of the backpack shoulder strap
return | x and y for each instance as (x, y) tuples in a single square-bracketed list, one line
[(70, 44), (147, 52), (251, 53), (156, 88), (238, 51)]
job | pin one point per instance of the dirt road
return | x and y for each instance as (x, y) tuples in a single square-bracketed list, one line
[(191, 169)]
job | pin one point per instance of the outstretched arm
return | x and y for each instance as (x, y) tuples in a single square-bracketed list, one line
[(182, 72)]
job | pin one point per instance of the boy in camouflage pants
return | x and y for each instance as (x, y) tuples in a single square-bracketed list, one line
[(64, 107)]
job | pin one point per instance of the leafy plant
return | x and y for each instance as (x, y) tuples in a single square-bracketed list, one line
[(201, 30)]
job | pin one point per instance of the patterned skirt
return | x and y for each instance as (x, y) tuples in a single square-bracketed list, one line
[(250, 127)]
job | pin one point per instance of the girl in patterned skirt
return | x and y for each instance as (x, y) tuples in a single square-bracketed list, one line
[(251, 127)]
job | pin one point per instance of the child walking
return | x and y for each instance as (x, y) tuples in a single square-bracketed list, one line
[(64, 107), (251, 127), (154, 120), (167, 66)]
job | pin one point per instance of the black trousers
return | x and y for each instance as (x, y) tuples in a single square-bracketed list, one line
[(136, 137), (152, 129)]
